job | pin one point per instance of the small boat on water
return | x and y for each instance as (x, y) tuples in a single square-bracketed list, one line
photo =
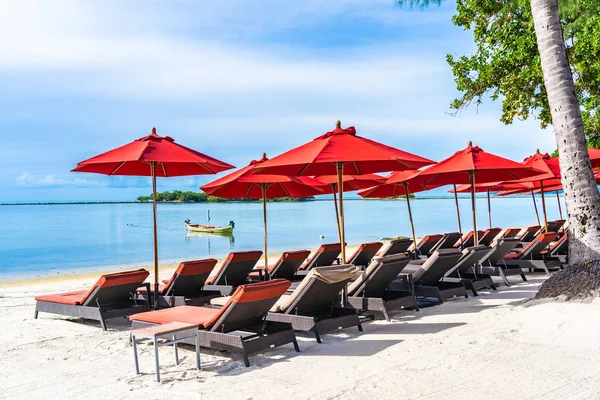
[(227, 229)]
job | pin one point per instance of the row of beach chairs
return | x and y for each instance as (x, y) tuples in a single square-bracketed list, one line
[(305, 291)]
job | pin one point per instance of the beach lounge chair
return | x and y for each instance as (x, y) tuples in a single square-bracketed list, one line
[(233, 271), (364, 254), (237, 326), (554, 226), (284, 268), (446, 242), (465, 270), (314, 305), (186, 285), (395, 246), (510, 233), (325, 255), (531, 256), (530, 234), (427, 275), (488, 236), (559, 250), (372, 292), (112, 296), (493, 262), (425, 245), (468, 240)]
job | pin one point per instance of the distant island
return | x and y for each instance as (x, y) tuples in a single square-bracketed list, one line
[(178, 196)]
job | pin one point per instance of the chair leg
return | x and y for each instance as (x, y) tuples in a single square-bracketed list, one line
[(360, 328), (102, 322), (385, 315), (246, 360), (296, 347), (317, 336), (35, 314)]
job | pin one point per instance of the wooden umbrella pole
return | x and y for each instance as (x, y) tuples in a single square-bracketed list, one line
[(544, 206), (537, 214), (559, 206), (340, 172), (489, 209), (337, 215), (412, 226), (457, 211), (264, 199), (472, 179), (153, 170)]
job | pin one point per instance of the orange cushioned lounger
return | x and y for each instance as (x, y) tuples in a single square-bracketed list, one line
[(234, 270), (325, 255), (510, 233), (531, 256), (186, 285), (244, 311), (426, 244), (365, 253), (284, 268), (110, 297)]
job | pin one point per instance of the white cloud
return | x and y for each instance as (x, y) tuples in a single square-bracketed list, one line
[(28, 180)]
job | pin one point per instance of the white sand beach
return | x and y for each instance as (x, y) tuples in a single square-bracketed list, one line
[(496, 346)]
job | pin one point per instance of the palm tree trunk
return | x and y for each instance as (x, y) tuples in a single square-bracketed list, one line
[(581, 193)]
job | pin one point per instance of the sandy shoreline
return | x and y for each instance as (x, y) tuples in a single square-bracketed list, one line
[(495, 346)]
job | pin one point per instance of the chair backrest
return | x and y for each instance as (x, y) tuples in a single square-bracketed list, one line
[(554, 226), (530, 233), (248, 305), (396, 246), (115, 288), (510, 233), (468, 240), (500, 249), (426, 244), (365, 253), (235, 269), (534, 249), (561, 247), (447, 241), (288, 264), (488, 236), (325, 255), (471, 256), (318, 289), (436, 266), (189, 278), (378, 276)]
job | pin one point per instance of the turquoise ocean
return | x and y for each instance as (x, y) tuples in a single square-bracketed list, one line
[(38, 240)]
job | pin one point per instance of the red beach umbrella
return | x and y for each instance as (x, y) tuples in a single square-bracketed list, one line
[(551, 175), (342, 152), (244, 184), (472, 165), (400, 183), (152, 155)]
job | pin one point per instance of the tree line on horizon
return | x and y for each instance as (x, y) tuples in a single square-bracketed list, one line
[(178, 196)]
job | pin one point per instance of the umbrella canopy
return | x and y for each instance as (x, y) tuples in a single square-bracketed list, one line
[(400, 183), (342, 152), (153, 155), (244, 184), (472, 165), (551, 175), (594, 157)]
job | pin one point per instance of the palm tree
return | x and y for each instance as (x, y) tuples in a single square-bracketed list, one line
[(580, 189)]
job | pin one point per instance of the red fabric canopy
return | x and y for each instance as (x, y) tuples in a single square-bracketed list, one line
[(135, 158), (350, 182), (594, 157), (549, 186), (545, 163), (494, 187), (486, 167), (359, 155), (395, 185), (244, 184)]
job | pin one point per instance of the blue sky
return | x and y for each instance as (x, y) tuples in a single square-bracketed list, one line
[(228, 78)]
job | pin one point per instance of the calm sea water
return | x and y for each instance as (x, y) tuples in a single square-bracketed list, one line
[(46, 239)]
